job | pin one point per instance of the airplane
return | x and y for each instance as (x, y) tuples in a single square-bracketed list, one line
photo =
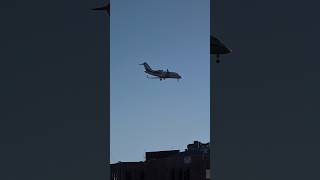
[(160, 74), (217, 47), (103, 8)]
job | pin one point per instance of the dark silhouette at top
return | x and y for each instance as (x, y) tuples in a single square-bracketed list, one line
[(103, 8), (217, 47)]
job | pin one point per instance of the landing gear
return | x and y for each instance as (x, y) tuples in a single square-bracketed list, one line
[(218, 58), (160, 79)]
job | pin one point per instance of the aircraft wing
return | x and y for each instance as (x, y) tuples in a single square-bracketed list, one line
[(156, 77), (103, 8), (217, 47)]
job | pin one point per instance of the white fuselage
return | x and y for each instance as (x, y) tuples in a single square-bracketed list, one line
[(163, 74)]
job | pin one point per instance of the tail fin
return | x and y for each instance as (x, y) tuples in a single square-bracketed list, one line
[(146, 66)]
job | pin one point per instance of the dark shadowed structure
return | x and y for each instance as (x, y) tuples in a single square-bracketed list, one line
[(266, 92), (53, 59), (192, 164)]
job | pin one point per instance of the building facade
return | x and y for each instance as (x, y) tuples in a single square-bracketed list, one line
[(192, 164)]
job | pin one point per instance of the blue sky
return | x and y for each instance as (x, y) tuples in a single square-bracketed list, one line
[(152, 115)]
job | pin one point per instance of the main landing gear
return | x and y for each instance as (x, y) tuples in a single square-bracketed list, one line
[(218, 58)]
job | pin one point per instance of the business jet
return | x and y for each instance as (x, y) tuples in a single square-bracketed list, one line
[(160, 74)]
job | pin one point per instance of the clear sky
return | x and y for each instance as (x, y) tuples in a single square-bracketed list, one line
[(148, 114)]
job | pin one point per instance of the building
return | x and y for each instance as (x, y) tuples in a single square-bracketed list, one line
[(192, 164)]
